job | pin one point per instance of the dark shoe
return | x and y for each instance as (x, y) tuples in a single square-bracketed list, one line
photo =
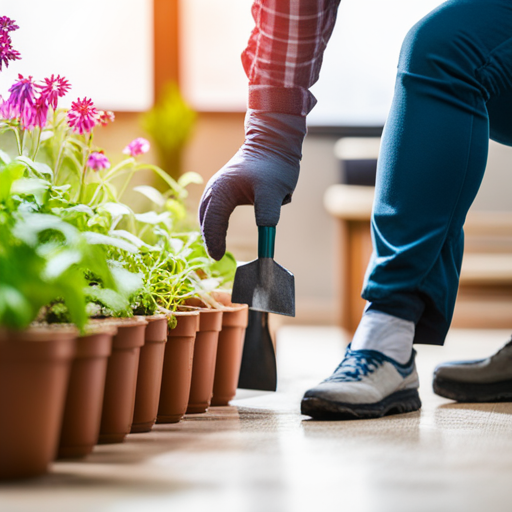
[(483, 380), (367, 384)]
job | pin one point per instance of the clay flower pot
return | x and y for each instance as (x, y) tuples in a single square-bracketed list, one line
[(84, 400), (149, 377), (229, 352), (177, 371), (205, 356), (34, 371), (121, 380)]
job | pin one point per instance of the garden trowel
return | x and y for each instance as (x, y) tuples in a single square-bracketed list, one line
[(266, 287)]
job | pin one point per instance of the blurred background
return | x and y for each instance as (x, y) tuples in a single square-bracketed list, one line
[(171, 71)]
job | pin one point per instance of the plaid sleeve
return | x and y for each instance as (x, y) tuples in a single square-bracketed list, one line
[(284, 53)]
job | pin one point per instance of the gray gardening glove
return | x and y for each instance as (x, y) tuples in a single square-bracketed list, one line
[(264, 172)]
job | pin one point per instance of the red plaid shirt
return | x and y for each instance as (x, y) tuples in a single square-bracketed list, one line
[(284, 54)]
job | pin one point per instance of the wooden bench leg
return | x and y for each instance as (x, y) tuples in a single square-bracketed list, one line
[(356, 249)]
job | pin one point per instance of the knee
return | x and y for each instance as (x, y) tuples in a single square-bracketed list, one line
[(437, 46)]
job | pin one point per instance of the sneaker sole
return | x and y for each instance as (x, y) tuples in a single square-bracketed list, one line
[(407, 400), (472, 392)]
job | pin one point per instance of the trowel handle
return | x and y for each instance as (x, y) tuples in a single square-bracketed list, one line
[(266, 241)]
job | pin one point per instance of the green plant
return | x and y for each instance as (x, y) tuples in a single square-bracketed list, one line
[(169, 124), (62, 216)]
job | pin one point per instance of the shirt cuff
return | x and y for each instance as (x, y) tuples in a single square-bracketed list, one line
[(285, 100)]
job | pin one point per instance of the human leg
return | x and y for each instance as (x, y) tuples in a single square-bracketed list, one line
[(432, 160)]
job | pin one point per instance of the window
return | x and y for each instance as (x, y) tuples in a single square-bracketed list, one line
[(103, 47), (357, 78)]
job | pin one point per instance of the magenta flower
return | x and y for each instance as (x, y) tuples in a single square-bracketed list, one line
[(137, 147), (82, 116), (105, 117), (7, 25), (98, 161), (54, 88), (5, 112), (21, 102), (7, 52), (40, 113)]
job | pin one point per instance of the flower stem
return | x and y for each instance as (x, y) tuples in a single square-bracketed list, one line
[(37, 144), (127, 181), (87, 152), (23, 142)]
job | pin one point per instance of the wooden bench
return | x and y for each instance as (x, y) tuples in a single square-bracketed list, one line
[(485, 293)]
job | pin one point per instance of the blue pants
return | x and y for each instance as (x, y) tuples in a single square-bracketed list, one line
[(453, 92)]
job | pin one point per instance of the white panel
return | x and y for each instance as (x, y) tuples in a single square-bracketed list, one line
[(215, 32), (357, 78), (103, 47), (358, 74)]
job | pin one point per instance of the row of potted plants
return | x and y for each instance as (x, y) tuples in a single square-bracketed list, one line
[(110, 319)]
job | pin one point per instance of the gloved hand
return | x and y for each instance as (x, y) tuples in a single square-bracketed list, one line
[(263, 172)]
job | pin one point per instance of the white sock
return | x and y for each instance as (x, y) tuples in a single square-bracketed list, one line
[(386, 333)]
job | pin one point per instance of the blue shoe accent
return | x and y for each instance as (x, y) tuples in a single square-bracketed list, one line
[(359, 363)]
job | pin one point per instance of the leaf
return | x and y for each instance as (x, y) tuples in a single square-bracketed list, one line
[(15, 309), (80, 208), (116, 209), (46, 134), (208, 285), (31, 187), (99, 239), (8, 174), (33, 224), (151, 193), (190, 177), (61, 262), (225, 268), (152, 217), (176, 208), (108, 298), (61, 188), (176, 244), (127, 282), (39, 167), (130, 237), (4, 157)]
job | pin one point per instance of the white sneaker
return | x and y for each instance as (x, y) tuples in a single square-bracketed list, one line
[(366, 384)]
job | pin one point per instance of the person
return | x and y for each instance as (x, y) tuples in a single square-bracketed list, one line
[(453, 92)]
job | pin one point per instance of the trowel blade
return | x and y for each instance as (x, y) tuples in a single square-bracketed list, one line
[(265, 286)]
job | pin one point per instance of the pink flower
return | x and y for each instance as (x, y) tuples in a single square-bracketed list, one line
[(21, 102), (7, 25), (7, 52), (54, 88), (98, 161), (137, 147), (105, 117), (82, 116), (40, 113)]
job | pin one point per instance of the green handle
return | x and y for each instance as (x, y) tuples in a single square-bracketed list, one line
[(266, 241)]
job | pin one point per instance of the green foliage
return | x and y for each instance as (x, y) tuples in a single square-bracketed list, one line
[(169, 124), (70, 249)]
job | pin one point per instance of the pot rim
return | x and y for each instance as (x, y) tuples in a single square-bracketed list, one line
[(122, 321), (41, 332)]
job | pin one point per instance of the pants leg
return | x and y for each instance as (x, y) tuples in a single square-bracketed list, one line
[(454, 64)]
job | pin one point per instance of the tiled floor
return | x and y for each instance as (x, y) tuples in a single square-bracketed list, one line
[(261, 455)]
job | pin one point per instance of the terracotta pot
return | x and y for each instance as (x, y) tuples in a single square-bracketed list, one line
[(121, 380), (177, 371), (229, 352), (84, 400), (205, 355), (149, 379), (34, 371)]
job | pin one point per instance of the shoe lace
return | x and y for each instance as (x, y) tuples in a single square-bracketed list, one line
[(357, 364)]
